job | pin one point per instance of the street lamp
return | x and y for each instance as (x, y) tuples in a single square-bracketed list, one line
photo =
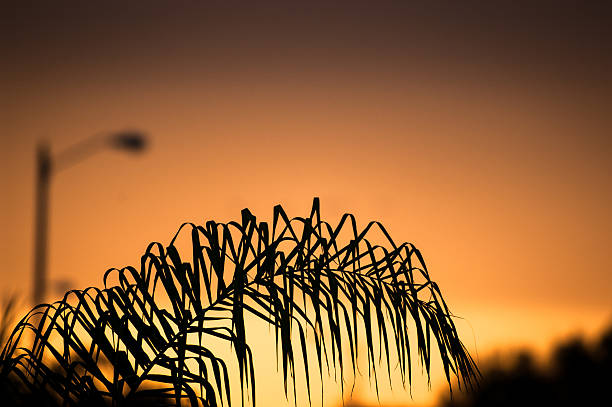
[(47, 166)]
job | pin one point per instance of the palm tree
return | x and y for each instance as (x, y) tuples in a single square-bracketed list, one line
[(147, 336)]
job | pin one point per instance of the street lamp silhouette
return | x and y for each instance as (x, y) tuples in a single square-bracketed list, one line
[(48, 166)]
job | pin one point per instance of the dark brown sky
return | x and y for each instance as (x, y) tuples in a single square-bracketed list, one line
[(563, 41), (480, 131)]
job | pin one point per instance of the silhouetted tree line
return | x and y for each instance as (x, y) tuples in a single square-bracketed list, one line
[(578, 374)]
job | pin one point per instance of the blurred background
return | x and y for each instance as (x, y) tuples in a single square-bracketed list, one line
[(479, 131)]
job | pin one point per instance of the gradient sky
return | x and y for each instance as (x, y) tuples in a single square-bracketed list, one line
[(479, 132)]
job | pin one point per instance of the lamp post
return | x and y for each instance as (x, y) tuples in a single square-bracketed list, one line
[(46, 167)]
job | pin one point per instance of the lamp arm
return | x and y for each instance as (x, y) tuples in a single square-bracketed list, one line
[(79, 151)]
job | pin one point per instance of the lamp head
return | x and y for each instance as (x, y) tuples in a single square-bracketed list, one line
[(129, 140)]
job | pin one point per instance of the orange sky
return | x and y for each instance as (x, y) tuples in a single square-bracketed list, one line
[(479, 133)]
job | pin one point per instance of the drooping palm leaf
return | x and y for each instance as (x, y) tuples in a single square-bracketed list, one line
[(148, 335)]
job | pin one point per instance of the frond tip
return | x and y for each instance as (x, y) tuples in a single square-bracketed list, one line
[(147, 335)]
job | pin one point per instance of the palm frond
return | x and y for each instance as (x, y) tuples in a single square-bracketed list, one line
[(148, 334)]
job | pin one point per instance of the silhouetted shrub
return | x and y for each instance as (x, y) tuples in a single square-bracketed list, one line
[(578, 374)]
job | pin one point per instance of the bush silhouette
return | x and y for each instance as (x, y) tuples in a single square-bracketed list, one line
[(578, 374), (145, 337)]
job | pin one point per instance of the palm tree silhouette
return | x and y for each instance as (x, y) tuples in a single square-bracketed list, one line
[(147, 336)]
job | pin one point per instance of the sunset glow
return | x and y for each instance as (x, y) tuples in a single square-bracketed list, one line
[(481, 135)]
